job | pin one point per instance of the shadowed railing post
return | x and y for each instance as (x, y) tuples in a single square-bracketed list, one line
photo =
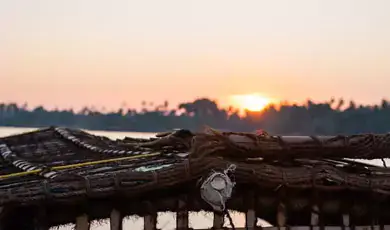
[(182, 214), (281, 217), (218, 220), (41, 220), (82, 222), (115, 220), (150, 222), (17, 219), (250, 215)]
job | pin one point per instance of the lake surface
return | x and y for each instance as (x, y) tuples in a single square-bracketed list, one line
[(165, 220)]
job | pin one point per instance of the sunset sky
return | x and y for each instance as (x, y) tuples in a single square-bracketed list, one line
[(103, 53)]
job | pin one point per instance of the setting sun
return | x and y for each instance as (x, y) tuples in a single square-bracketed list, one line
[(251, 102)]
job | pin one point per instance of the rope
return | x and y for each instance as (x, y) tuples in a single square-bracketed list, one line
[(384, 163), (230, 219), (78, 165)]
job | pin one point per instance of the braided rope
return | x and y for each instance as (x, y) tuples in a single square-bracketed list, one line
[(68, 136), (24, 165), (211, 149), (249, 145), (263, 175)]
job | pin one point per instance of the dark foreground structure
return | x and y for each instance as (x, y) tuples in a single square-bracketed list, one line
[(56, 176)]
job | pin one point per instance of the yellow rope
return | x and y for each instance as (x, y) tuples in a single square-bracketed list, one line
[(79, 165)]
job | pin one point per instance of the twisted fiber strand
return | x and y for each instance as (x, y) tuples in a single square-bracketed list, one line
[(138, 182), (139, 149), (204, 147), (72, 188), (51, 172), (21, 164), (247, 145), (66, 134), (366, 146), (174, 139), (42, 147)]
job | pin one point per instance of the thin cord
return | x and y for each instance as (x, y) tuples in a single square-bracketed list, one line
[(384, 163), (230, 219)]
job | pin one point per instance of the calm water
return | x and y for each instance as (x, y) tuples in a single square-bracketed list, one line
[(165, 220)]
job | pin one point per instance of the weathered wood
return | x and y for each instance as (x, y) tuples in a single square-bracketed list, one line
[(218, 220), (250, 219), (333, 206), (17, 219), (115, 220), (150, 222), (182, 214), (41, 220), (41, 227), (250, 215), (342, 146), (281, 217), (82, 222), (328, 206), (2, 222)]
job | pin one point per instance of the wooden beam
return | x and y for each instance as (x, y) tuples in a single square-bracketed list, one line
[(250, 215), (17, 219), (41, 220), (150, 222), (82, 222), (218, 220), (343, 146), (281, 216), (250, 219), (115, 220), (182, 214)]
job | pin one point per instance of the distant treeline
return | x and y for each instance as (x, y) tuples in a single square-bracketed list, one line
[(327, 118)]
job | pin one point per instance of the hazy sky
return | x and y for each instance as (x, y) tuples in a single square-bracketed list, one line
[(103, 53)]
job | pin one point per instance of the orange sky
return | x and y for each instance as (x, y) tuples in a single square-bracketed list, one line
[(103, 53)]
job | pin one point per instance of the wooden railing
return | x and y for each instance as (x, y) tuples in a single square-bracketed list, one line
[(182, 222)]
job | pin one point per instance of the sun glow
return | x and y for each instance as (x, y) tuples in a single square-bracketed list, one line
[(251, 102)]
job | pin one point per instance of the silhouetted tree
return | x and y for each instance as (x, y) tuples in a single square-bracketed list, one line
[(311, 118)]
